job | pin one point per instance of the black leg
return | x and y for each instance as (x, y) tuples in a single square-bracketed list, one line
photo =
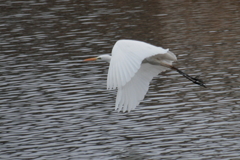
[(194, 80)]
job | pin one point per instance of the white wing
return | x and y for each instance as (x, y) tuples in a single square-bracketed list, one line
[(127, 57), (130, 75), (130, 95)]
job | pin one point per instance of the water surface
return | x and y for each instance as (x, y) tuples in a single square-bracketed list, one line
[(53, 106)]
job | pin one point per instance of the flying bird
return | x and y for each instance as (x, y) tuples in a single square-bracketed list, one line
[(133, 65)]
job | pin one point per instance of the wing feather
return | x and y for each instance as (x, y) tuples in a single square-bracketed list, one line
[(130, 74), (130, 95), (127, 56)]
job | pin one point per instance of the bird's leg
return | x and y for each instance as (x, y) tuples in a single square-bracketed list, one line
[(194, 80), (164, 64)]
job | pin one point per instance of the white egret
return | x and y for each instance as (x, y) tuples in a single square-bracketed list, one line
[(133, 65)]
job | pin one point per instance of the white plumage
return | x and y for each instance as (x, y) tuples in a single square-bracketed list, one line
[(130, 94), (129, 74), (133, 64), (127, 57)]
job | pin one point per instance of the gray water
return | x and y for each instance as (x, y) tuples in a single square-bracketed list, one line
[(53, 106)]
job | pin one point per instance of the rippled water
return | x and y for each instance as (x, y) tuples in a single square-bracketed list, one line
[(53, 106)]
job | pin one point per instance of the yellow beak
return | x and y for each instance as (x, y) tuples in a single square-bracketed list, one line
[(90, 59)]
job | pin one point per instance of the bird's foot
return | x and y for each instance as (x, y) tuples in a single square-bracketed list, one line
[(198, 81)]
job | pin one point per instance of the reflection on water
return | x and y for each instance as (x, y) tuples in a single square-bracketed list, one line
[(55, 107)]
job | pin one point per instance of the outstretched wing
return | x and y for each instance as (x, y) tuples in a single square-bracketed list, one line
[(127, 57), (130, 95)]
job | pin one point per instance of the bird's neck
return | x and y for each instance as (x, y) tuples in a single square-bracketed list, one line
[(107, 59)]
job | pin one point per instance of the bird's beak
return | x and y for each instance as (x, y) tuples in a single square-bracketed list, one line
[(90, 59)]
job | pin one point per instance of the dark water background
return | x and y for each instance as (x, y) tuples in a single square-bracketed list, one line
[(52, 106)]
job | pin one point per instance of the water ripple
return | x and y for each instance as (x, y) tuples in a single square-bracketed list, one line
[(54, 106)]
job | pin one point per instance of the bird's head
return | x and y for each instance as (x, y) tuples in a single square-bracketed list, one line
[(105, 57)]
